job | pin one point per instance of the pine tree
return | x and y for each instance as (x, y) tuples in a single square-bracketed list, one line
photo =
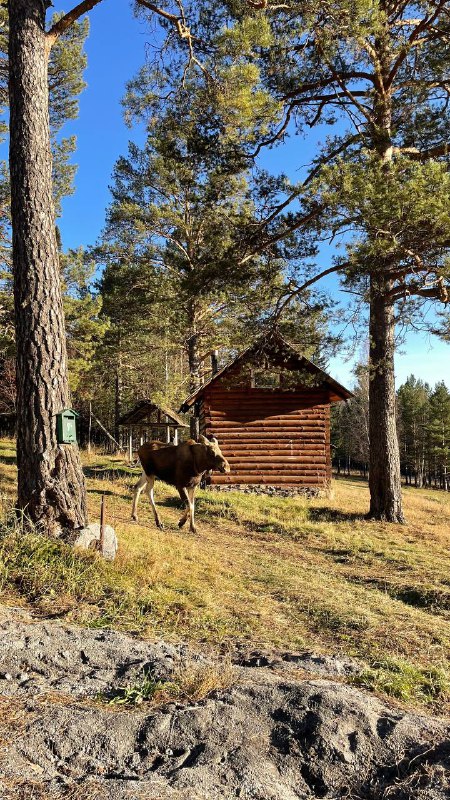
[(381, 69), (66, 65), (50, 478), (439, 432), (176, 243), (413, 399), (85, 327), (350, 424)]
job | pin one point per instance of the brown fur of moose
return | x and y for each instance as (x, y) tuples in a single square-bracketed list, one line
[(182, 466)]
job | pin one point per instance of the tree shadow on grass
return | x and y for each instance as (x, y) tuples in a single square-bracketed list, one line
[(8, 460), (110, 473), (326, 514), (109, 493)]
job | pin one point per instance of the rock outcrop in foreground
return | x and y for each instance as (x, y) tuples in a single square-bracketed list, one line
[(290, 729)]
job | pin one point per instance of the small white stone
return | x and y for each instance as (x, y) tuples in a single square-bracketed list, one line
[(89, 538)]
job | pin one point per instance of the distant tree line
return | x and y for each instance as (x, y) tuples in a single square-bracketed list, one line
[(423, 425)]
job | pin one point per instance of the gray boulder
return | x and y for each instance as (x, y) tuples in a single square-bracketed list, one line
[(89, 539)]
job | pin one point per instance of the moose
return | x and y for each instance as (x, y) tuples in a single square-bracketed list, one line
[(182, 466)]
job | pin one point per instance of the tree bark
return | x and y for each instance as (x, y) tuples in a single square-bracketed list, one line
[(384, 463), (194, 359), (117, 401), (384, 468), (51, 489), (194, 365)]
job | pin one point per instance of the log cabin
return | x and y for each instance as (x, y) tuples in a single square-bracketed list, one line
[(269, 408)]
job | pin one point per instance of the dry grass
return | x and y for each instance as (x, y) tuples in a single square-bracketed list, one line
[(272, 572), (27, 789), (189, 682)]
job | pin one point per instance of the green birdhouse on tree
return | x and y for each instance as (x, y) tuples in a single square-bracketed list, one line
[(66, 429)]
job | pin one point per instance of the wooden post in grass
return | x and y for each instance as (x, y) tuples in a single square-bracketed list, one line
[(102, 525)]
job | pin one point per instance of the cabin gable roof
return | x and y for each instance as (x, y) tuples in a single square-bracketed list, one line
[(280, 352)]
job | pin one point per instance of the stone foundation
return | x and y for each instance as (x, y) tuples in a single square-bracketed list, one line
[(272, 491)]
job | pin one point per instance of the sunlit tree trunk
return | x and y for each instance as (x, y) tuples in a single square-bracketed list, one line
[(194, 360), (384, 469), (384, 462), (51, 488)]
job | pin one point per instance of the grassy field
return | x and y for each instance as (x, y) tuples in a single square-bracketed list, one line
[(262, 572)]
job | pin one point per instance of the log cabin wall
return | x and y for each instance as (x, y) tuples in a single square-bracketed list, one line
[(271, 437)]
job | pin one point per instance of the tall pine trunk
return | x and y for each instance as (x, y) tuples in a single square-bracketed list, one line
[(194, 363), (117, 401), (51, 488), (384, 463), (384, 467)]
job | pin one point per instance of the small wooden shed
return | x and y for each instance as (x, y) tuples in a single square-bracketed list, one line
[(147, 421), (270, 411)]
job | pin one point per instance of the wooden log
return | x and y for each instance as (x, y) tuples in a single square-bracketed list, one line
[(262, 412), (220, 407), (255, 420), (268, 434), (283, 458), (291, 467), (301, 405), (306, 444), (237, 449), (299, 469), (265, 412), (270, 454), (281, 408), (276, 426), (293, 432), (254, 463), (271, 480), (269, 419), (276, 463), (274, 433)]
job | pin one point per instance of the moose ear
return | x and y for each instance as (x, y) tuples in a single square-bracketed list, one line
[(214, 440), (203, 440)]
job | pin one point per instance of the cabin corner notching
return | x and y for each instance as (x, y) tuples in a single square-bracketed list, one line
[(270, 411)]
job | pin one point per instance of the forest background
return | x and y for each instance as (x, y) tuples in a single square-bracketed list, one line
[(140, 369)]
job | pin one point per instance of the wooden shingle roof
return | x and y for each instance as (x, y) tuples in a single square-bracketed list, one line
[(143, 408), (273, 344)]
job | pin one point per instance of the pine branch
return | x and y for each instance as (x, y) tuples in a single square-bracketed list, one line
[(310, 177), (63, 24), (300, 289), (423, 25), (68, 19), (347, 75), (439, 290), (302, 222), (177, 21), (414, 153)]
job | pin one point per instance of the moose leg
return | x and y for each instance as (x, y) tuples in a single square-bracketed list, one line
[(184, 496), (149, 491), (137, 491), (190, 495)]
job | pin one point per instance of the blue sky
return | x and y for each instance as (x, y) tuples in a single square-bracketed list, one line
[(116, 48)]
